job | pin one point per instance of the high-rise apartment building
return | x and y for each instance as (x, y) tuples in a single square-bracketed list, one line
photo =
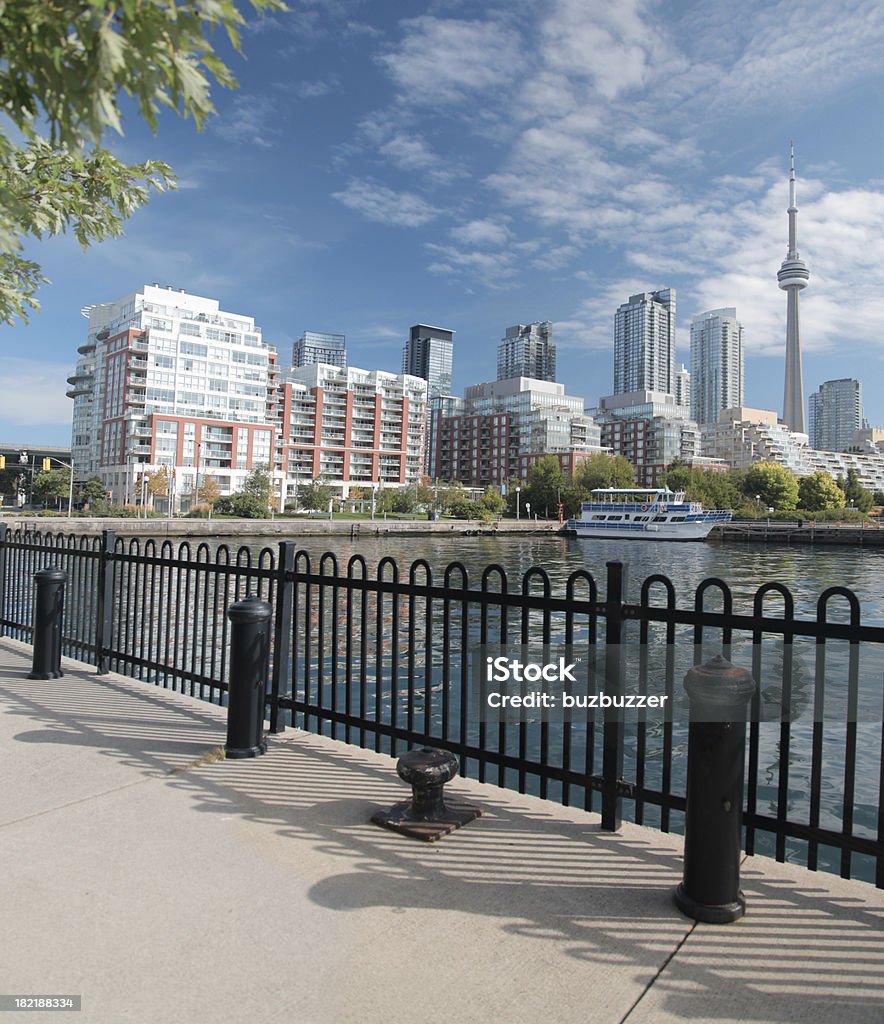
[(644, 343), (168, 380), (650, 430), (682, 391), (317, 347), (527, 350), (429, 353), (499, 429), (835, 414), (716, 364), (350, 428)]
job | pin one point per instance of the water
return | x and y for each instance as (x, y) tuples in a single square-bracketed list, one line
[(806, 571)]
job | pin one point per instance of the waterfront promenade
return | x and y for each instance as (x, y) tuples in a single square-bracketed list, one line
[(763, 531), (162, 883)]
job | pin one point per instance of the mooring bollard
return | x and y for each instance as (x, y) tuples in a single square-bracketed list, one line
[(426, 816), (249, 661), (719, 693), (48, 613)]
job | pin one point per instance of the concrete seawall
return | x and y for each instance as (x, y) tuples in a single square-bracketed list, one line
[(301, 527), (764, 532)]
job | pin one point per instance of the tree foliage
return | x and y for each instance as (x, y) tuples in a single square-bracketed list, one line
[(91, 490), (53, 485), (818, 492), (602, 470), (773, 485), (66, 65), (258, 485), (245, 506), (543, 485), (315, 496), (714, 488), (855, 494)]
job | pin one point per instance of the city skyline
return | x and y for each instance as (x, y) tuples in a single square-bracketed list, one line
[(359, 181)]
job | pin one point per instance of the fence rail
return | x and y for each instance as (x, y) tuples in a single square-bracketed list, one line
[(383, 660)]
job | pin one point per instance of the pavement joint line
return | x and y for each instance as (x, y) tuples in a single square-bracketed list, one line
[(667, 961), (86, 799), (659, 973)]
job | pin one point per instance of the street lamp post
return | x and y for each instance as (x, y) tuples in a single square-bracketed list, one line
[(518, 509)]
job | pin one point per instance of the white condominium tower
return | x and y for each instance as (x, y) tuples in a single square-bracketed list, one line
[(644, 343), (527, 350), (167, 380), (716, 364)]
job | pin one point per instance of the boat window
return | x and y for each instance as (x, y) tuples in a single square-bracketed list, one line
[(615, 517), (660, 519), (677, 519), (641, 519), (599, 517)]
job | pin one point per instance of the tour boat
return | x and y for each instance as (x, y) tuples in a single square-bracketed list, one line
[(645, 513)]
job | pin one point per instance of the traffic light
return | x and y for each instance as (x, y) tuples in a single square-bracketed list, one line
[(47, 465)]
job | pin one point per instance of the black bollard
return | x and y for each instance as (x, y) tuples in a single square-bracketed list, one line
[(719, 693), (249, 662), (48, 612), (426, 816)]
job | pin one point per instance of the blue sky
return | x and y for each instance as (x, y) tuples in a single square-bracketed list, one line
[(475, 166)]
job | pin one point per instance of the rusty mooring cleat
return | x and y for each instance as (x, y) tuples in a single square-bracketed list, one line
[(426, 816)]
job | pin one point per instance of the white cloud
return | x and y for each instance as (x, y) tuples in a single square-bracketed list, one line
[(249, 119), (379, 203), (445, 61), (615, 48), (493, 269), (481, 233), (314, 88)]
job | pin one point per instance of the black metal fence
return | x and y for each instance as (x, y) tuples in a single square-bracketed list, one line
[(383, 660)]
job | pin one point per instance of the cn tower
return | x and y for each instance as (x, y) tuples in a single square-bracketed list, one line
[(793, 275)]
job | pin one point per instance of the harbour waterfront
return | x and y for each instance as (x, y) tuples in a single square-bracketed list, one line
[(161, 618)]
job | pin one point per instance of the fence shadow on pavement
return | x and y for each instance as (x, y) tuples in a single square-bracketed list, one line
[(534, 870)]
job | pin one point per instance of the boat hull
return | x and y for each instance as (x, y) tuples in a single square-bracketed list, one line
[(698, 530)]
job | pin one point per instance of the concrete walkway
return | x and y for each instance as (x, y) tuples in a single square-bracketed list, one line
[(163, 884)]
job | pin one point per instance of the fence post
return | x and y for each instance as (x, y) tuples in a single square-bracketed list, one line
[(4, 527), (719, 693), (249, 657), (48, 613), (104, 616), (282, 633), (612, 735)]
